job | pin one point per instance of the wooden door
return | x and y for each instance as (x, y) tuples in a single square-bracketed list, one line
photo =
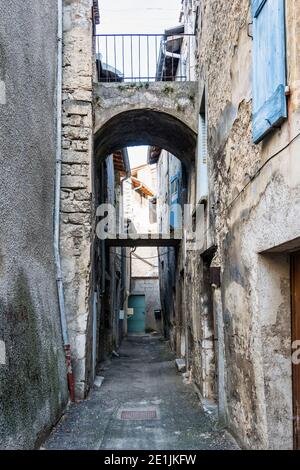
[(136, 323), (295, 285)]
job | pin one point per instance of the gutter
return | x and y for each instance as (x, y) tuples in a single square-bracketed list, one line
[(59, 282)]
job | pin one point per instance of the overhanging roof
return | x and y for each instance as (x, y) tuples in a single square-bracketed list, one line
[(140, 186), (121, 161)]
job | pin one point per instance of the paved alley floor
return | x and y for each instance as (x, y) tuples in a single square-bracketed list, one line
[(142, 404)]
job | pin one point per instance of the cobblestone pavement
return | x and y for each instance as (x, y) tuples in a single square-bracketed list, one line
[(141, 383)]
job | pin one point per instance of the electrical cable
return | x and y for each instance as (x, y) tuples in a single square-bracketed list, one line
[(252, 178), (150, 257)]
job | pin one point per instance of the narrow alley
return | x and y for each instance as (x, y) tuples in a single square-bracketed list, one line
[(134, 408)]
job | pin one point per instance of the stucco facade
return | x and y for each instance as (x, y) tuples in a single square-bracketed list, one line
[(33, 388)]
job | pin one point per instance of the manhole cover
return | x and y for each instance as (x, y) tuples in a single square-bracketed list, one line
[(137, 415)]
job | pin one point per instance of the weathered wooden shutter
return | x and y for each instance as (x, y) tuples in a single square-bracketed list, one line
[(269, 66)]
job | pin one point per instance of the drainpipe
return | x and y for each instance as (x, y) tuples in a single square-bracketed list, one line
[(126, 162), (60, 289)]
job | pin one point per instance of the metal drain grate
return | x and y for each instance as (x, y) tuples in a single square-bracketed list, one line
[(137, 415)]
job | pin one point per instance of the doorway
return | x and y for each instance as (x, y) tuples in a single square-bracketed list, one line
[(136, 322), (295, 286)]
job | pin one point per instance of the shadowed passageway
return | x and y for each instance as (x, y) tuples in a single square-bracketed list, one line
[(142, 404)]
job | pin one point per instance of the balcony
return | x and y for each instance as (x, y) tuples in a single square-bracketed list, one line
[(134, 58)]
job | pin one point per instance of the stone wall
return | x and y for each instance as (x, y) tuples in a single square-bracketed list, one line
[(255, 291), (143, 114), (76, 189), (33, 388)]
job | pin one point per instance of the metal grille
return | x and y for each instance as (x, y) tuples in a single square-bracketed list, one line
[(136, 415)]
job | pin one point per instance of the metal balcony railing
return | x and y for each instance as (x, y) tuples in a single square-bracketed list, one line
[(135, 58)]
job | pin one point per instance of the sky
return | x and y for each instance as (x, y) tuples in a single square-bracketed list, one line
[(134, 17), (137, 16), (137, 155)]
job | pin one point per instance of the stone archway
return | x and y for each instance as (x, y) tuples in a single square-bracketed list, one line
[(146, 126), (164, 114)]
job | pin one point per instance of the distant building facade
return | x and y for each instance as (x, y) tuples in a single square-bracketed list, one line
[(140, 211)]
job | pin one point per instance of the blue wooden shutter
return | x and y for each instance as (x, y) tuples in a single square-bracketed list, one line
[(269, 66), (175, 201)]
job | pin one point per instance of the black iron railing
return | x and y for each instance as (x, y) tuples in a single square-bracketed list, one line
[(143, 57)]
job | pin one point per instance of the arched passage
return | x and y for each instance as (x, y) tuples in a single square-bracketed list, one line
[(146, 127), (122, 128), (159, 114)]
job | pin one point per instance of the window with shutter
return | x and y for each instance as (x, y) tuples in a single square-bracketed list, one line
[(269, 66), (202, 181)]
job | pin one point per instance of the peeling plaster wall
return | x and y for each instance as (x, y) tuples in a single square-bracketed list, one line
[(76, 180), (33, 386), (255, 288)]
